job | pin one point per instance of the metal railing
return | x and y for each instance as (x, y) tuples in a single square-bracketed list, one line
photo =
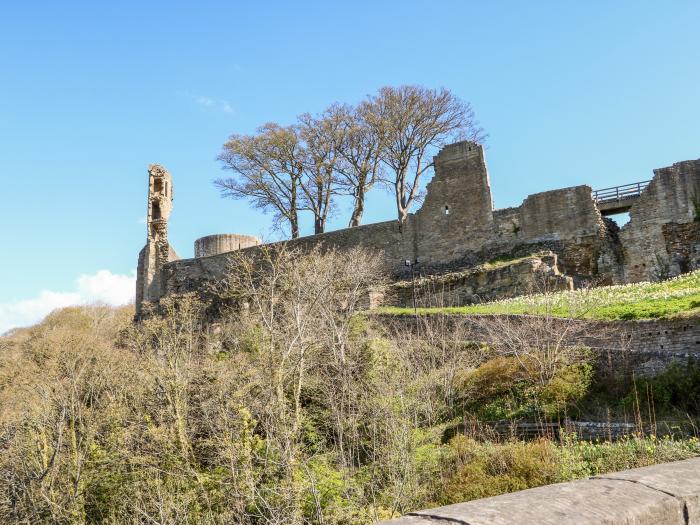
[(618, 193)]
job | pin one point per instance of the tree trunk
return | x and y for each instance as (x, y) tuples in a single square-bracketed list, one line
[(319, 219), (400, 189), (359, 207), (293, 213), (294, 222), (402, 206)]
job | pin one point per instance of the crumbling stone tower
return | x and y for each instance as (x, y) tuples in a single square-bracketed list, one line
[(157, 251), (457, 214)]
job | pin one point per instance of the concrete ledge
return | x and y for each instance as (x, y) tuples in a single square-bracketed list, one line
[(661, 494)]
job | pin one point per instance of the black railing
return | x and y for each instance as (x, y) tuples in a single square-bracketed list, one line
[(618, 193)]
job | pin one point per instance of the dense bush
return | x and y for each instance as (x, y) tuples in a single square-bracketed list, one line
[(487, 469), (290, 409), (509, 388), (675, 391)]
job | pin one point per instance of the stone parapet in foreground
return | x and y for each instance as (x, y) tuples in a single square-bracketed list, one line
[(666, 494)]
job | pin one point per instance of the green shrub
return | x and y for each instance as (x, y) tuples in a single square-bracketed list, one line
[(578, 459), (483, 469), (510, 388), (569, 385), (486, 469), (676, 390)]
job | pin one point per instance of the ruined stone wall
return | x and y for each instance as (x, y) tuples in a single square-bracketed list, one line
[(568, 215), (683, 245), (565, 221), (395, 242), (559, 214), (506, 223), (668, 199), (457, 215), (643, 347), (483, 283), (456, 228)]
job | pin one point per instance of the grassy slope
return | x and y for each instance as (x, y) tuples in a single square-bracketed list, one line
[(678, 296)]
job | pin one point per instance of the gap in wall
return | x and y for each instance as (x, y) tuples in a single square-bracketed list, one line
[(620, 218)]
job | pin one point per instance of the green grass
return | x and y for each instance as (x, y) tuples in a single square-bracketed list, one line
[(674, 297)]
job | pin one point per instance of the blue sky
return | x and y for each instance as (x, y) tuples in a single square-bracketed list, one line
[(595, 93)]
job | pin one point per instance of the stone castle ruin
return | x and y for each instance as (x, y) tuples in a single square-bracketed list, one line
[(467, 251)]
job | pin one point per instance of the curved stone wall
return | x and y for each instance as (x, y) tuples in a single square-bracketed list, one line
[(222, 243)]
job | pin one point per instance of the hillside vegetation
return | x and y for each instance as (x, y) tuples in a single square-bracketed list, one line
[(647, 300), (292, 409)]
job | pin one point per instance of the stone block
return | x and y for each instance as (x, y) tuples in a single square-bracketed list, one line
[(661, 494)]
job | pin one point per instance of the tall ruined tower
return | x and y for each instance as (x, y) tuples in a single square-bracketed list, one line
[(157, 251)]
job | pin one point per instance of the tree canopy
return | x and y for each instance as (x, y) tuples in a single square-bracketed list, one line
[(389, 137)]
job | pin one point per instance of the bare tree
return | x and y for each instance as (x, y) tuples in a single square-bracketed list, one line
[(319, 135), (268, 168), (414, 121), (358, 148), (301, 306)]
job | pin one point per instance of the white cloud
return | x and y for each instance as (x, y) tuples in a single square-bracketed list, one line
[(101, 287), (208, 102), (204, 101)]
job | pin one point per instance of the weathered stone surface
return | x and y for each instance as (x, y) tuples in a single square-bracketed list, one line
[(222, 243), (661, 494), (681, 480), (416, 520), (669, 198), (157, 252), (483, 283), (590, 502), (644, 347), (457, 229), (683, 245)]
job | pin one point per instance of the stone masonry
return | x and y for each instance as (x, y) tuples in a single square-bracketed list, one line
[(457, 230), (667, 494), (670, 200), (157, 251), (642, 347), (222, 243), (536, 273)]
